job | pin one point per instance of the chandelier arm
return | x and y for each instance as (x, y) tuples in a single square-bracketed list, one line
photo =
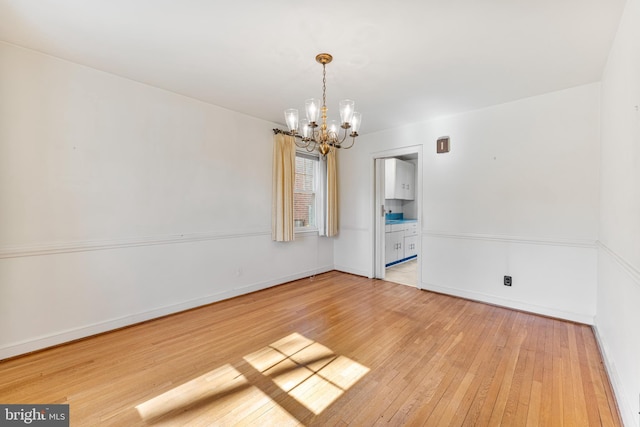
[(353, 141), (343, 138), (317, 135), (302, 144)]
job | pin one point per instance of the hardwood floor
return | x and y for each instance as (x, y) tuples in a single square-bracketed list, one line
[(335, 349)]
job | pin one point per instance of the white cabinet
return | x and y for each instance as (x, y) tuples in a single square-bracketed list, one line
[(411, 229), (411, 240), (393, 246), (410, 246), (400, 241), (399, 180)]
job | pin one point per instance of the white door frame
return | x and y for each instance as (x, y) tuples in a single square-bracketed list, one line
[(377, 163), (379, 219)]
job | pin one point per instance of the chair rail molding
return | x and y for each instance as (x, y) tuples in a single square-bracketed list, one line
[(578, 243), (95, 245), (631, 270)]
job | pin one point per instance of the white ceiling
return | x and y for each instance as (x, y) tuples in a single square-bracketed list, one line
[(402, 61)]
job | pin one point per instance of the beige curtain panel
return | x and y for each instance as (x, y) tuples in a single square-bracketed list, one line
[(332, 194), (284, 174)]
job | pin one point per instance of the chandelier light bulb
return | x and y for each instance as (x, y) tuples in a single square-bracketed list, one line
[(333, 129), (291, 117), (313, 109), (355, 122), (346, 111), (305, 129)]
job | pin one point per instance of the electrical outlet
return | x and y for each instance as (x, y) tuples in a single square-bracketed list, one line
[(507, 280)]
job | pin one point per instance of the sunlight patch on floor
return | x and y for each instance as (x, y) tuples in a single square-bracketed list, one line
[(310, 372), (305, 370), (218, 382)]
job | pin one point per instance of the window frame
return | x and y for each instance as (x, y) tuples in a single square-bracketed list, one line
[(316, 169)]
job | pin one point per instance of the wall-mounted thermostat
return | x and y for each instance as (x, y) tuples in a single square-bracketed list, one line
[(443, 144)]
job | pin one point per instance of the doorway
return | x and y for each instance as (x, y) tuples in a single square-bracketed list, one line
[(405, 273), (397, 215)]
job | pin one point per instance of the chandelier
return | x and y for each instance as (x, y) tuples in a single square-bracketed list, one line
[(323, 136)]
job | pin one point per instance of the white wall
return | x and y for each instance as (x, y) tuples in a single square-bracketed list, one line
[(618, 310), (517, 195), (120, 202)]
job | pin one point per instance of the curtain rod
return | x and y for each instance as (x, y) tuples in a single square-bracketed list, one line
[(277, 131)]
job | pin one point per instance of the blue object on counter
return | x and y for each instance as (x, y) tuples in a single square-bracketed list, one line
[(394, 216)]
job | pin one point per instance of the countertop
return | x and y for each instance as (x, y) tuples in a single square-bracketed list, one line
[(400, 221), (397, 218)]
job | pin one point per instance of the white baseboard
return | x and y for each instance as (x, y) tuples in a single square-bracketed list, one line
[(62, 337), (516, 305), (628, 415), (355, 271)]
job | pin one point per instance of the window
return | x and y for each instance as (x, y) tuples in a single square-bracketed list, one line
[(305, 191)]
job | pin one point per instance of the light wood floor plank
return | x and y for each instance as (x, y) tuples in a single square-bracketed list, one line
[(335, 349)]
